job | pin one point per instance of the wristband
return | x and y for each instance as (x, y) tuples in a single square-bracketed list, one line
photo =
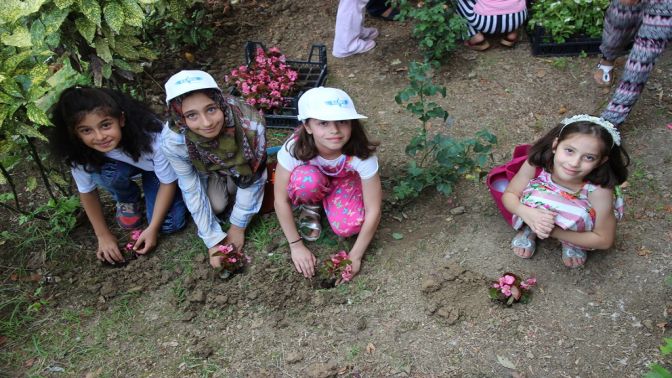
[(296, 241)]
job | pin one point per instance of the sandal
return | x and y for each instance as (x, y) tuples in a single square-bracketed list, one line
[(477, 46), (509, 41), (603, 76), (570, 253), (310, 226), (526, 241)]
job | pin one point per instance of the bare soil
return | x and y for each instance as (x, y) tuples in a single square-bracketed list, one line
[(420, 306)]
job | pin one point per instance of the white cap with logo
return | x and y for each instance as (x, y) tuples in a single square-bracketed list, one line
[(188, 81), (327, 104)]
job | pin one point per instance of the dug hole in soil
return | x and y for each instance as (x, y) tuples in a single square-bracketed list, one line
[(419, 307)]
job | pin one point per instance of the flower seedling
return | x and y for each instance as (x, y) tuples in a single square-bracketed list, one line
[(232, 260), (509, 289), (338, 267), (266, 81)]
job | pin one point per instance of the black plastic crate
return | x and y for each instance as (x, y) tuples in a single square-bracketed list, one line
[(312, 73), (543, 45)]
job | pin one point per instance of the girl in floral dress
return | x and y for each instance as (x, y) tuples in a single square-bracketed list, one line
[(329, 163), (568, 189)]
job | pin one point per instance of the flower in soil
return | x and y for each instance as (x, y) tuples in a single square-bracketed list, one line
[(509, 289), (337, 267), (129, 253), (266, 81), (232, 259)]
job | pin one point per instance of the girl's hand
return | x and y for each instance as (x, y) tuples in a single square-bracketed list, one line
[(356, 266), (147, 240), (215, 261), (304, 260), (541, 221), (108, 249), (235, 236)]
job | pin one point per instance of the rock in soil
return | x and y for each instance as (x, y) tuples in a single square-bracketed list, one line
[(196, 296)]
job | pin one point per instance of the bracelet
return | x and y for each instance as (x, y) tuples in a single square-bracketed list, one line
[(296, 241)]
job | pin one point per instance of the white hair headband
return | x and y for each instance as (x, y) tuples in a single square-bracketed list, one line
[(615, 135)]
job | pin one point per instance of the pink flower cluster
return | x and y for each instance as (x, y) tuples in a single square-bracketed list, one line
[(509, 288), (135, 235), (338, 265), (265, 81), (232, 259)]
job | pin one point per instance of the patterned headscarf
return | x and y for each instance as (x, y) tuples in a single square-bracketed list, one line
[(238, 151)]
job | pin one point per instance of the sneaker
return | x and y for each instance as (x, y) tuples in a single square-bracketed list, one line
[(128, 215)]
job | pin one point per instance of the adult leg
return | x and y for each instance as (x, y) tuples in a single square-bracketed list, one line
[(115, 177), (220, 191), (650, 41), (621, 22), (349, 20), (344, 205), (176, 217)]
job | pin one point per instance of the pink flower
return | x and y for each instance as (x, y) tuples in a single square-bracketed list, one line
[(273, 50), (225, 249), (135, 235), (346, 275), (129, 246), (507, 280), (232, 259), (528, 283), (506, 290)]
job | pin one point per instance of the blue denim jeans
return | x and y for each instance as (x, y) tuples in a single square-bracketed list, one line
[(115, 177)]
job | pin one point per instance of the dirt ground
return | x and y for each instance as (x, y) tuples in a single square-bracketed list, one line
[(419, 308)]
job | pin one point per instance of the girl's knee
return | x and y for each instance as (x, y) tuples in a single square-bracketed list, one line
[(307, 185)]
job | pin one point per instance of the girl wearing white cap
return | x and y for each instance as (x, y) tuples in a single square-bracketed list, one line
[(329, 163), (216, 145)]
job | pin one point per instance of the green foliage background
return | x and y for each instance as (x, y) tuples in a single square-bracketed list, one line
[(45, 47)]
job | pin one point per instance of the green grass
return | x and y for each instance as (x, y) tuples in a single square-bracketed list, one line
[(182, 252), (263, 231)]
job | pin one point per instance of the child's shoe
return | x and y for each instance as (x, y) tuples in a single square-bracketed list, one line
[(128, 215)]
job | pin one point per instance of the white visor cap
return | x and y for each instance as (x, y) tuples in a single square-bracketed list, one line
[(188, 81), (327, 104)]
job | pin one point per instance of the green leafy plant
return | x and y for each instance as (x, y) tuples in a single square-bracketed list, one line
[(562, 19), (186, 32), (437, 160), (657, 371), (438, 27)]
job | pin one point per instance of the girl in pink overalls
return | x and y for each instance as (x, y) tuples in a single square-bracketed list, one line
[(328, 163)]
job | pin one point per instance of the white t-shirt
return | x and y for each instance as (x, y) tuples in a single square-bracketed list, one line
[(154, 161), (365, 168)]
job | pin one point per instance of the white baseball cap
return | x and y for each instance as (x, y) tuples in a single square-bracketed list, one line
[(327, 104), (188, 81)]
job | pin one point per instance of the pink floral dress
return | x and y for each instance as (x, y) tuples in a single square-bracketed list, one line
[(574, 211)]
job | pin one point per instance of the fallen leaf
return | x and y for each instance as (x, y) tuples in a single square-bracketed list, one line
[(562, 110), (643, 251), (401, 69), (506, 362), (189, 57), (395, 62), (397, 236), (370, 348), (29, 362), (3, 340)]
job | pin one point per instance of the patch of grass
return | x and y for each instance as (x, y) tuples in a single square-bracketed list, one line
[(182, 253), (179, 291), (353, 352), (263, 230)]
